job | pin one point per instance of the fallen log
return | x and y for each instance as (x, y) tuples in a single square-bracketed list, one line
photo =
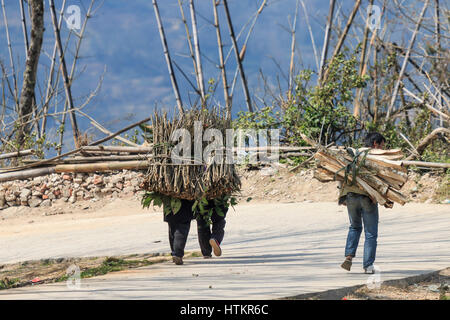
[(78, 160), (425, 164), (117, 149), (101, 166), (26, 174), (17, 154)]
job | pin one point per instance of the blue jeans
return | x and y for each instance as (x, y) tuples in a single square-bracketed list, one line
[(362, 210)]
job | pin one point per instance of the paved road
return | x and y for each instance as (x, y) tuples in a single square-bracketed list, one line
[(270, 251)]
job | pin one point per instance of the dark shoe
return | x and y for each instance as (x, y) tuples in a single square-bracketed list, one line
[(347, 264), (177, 260), (207, 257), (216, 247)]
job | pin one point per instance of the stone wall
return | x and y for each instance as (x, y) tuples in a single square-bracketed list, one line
[(42, 191)]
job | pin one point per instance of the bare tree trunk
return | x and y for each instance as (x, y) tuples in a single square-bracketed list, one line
[(188, 37), (222, 62), (238, 59), (26, 45), (24, 27), (198, 60), (11, 59), (65, 76), (291, 64), (429, 139), (439, 48), (343, 36), (362, 71), (405, 61), (316, 56), (29, 76), (242, 52), (167, 56), (326, 41), (50, 75)]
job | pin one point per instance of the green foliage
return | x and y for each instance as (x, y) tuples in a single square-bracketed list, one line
[(204, 208), (314, 109), (170, 204), (8, 283), (414, 131)]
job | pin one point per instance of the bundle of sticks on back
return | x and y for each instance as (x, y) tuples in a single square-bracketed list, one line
[(188, 177), (372, 170)]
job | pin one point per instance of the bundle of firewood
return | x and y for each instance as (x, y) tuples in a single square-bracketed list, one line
[(372, 170)]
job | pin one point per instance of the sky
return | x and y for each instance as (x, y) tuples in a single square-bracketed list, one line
[(122, 47)]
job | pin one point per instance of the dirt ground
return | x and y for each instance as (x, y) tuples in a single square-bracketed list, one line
[(432, 286), (272, 184)]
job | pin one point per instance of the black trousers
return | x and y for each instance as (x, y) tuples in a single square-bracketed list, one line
[(178, 234), (206, 232)]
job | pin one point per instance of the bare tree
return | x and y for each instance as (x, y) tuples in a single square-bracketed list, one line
[(29, 76)]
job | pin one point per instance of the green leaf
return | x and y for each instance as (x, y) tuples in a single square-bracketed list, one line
[(175, 204)]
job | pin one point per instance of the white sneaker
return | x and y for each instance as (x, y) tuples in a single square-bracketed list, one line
[(369, 270)]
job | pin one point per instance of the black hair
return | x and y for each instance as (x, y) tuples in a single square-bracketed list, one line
[(373, 137)]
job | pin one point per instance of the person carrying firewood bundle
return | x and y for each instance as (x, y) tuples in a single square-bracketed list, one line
[(179, 225), (361, 211), (210, 236)]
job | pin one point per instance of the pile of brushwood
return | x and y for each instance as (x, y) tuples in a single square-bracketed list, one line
[(179, 169), (373, 170)]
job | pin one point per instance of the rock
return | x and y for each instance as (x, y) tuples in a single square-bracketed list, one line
[(10, 197), (78, 180), (2, 199), (37, 193), (25, 193), (128, 190), (34, 202), (72, 199), (46, 203), (116, 179), (66, 177)]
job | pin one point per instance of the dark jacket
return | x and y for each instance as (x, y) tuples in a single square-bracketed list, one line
[(184, 215)]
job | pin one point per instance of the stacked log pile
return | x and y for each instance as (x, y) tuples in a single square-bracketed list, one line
[(372, 170)]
